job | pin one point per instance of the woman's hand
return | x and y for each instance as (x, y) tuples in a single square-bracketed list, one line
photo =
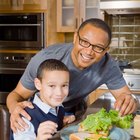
[(17, 123), (46, 130)]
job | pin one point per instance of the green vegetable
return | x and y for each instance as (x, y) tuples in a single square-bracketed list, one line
[(122, 122), (103, 120), (100, 121), (104, 139), (88, 139)]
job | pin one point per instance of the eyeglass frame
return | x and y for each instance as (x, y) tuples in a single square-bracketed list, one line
[(93, 46)]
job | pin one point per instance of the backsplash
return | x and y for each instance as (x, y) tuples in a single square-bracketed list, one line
[(125, 43)]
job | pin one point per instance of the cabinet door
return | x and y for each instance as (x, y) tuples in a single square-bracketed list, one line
[(71, 13), (5, 2), (23, 5), (89, 9), (67, 15), (40, 4)]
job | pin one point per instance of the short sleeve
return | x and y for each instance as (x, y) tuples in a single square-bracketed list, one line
[(115, 79)]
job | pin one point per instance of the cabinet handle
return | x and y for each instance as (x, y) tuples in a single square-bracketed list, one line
[(82, 20), (76, 23)]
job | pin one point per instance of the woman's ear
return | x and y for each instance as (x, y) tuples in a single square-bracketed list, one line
[(37, 83)]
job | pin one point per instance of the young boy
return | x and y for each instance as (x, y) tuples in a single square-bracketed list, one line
[(52, 83)]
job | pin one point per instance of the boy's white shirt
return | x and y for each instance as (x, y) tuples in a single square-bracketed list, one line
[(29, 134)]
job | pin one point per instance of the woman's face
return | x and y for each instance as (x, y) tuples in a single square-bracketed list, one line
[(84, 57), (53, 87)]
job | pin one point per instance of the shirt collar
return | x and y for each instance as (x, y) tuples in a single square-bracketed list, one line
[(43, 106)]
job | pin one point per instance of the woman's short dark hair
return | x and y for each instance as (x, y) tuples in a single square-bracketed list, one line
[(99, 23), (51, 65)]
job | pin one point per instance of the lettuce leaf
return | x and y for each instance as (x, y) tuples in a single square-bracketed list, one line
[(97, 122), (122, 122), (103, 120)]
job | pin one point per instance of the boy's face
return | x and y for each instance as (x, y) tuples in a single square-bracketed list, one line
[(54, 87)]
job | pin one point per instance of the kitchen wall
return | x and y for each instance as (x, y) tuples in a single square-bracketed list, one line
[(126, 36)]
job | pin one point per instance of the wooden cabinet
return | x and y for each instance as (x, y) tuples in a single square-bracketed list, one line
[(52, 36), (42, 4), (71, 13), (5, 2), (9, 5)]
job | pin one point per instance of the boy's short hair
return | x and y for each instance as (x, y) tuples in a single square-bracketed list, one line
[(51, 65)]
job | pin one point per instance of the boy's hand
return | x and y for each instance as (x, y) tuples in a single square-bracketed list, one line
[(46, 130)]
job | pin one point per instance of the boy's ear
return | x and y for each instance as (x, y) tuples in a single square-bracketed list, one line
[(37, 83)]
